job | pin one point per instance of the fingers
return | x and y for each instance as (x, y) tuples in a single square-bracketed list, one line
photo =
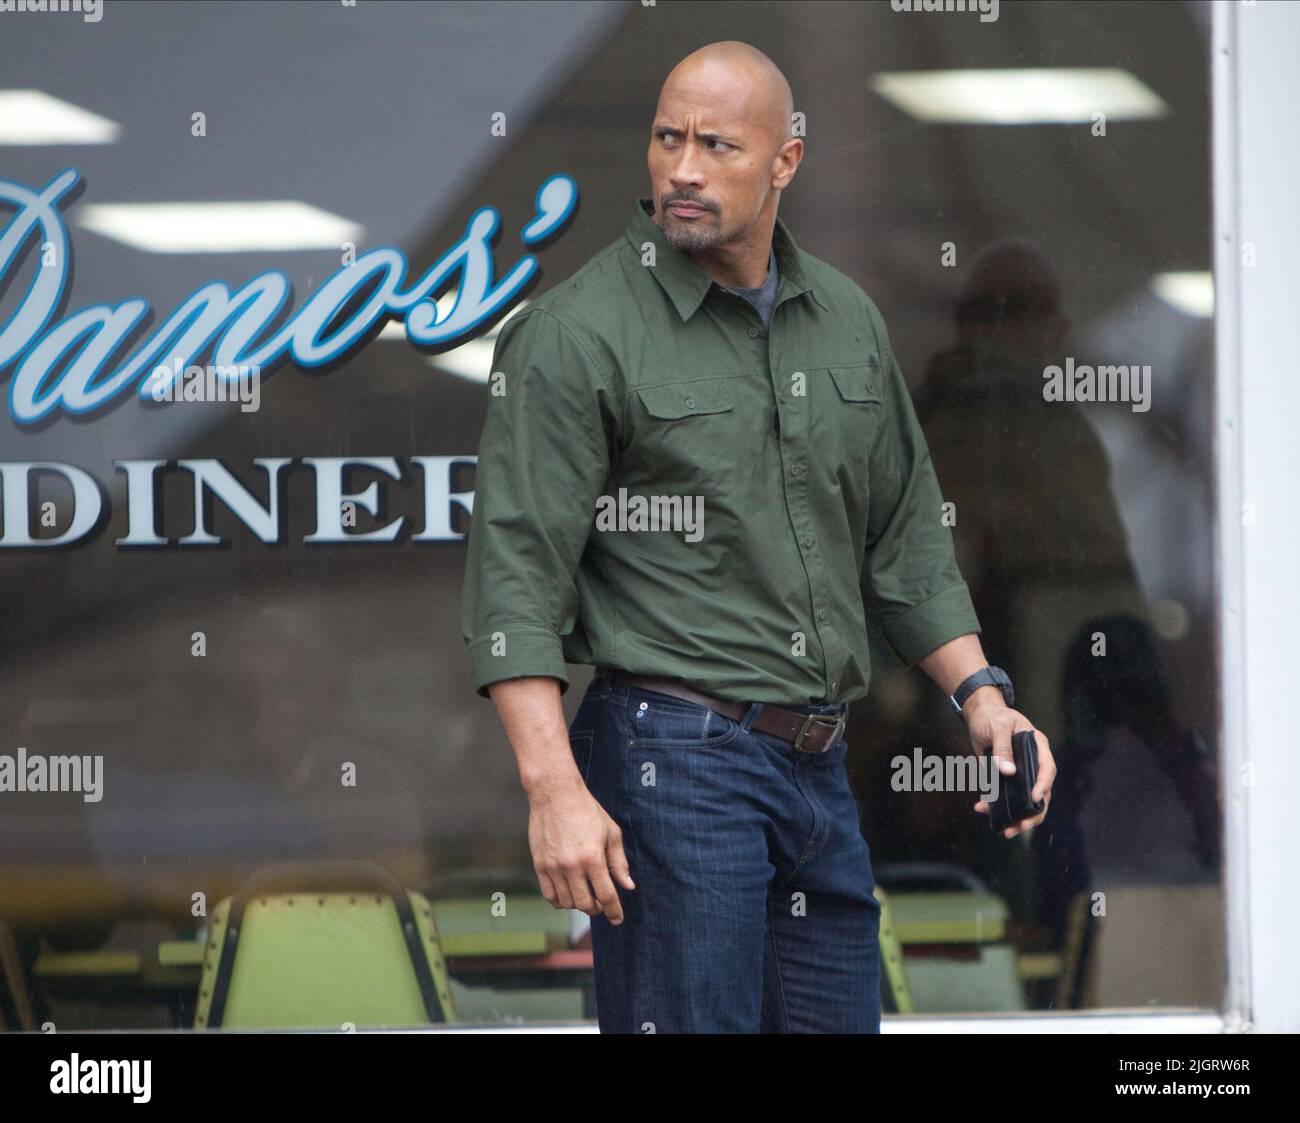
[(606, 895), (579, 888), (583, 881), (563, 883), (1046, 767), (1002, 749), (1028, 824), (563, 891), (614, 862), (617, 859), (547, 887)]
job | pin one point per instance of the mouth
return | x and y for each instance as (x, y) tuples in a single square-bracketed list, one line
[(686, 210)]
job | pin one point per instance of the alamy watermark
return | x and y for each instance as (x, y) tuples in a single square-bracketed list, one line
[(987, 9), (1083, 383), (237, 382), (933, 772), (92, 11), (34, 772), (651, 512), (86, 1075)]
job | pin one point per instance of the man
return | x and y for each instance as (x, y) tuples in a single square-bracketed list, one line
[(698, 809)]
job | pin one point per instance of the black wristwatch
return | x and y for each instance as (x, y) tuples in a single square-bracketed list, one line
[(985, 676)]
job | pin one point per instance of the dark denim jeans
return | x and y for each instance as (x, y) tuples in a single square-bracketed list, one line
[(754, 909)]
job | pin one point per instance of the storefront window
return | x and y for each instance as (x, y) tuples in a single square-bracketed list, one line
[(275, 674)]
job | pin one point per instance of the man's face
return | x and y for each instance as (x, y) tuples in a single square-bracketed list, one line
[(710, 161)]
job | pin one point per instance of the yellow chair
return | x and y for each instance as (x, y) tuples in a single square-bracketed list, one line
[(14, 994), (323, 945), (891, 958)]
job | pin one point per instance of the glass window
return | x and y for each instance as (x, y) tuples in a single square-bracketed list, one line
[(226, 690)]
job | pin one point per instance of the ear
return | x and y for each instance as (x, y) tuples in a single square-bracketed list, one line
[(786, 162)]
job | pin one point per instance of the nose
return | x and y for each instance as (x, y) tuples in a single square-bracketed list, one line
[(686, 171)]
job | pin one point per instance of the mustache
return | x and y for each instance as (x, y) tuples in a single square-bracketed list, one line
[(668, 200)]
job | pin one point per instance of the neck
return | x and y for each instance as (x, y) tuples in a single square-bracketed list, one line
[(742, 264)]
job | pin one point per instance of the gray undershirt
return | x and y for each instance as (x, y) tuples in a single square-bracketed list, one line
[(763, 298)]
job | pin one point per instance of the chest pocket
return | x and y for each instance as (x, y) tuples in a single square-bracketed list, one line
[(687, 439), (852, 422), (858, 383), (675, 400)]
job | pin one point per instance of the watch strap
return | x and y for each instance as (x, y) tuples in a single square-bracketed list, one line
[(985, 676)]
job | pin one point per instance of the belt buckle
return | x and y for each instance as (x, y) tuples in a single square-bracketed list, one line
[(820, 719)]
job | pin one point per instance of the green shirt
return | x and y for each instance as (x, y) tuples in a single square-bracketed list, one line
[(820, 507)]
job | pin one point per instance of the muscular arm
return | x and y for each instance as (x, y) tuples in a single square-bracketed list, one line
[(955, 661), (533, 719)]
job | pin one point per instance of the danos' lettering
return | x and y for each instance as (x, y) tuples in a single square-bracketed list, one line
[(63, 366)]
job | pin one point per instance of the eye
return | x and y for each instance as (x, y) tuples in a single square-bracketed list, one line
[(717, 145)]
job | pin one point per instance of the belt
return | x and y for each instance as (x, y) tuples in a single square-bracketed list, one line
[(809, 733)]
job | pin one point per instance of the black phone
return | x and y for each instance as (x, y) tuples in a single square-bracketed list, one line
[(1015, 800)]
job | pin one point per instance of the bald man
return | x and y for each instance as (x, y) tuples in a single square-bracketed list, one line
[(701, 474)]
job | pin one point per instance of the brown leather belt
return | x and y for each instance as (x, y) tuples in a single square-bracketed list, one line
[(809, 733)]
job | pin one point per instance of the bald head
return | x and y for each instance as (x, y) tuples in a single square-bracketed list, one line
[(721, 152), (734, 73)]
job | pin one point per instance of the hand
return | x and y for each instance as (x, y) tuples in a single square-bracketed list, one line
[(576, 846), (991, 724)]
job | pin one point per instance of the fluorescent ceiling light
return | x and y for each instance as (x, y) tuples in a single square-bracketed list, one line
[(1190, 293), (472, 360), (1020, 97), (32, 117), (279, 224)]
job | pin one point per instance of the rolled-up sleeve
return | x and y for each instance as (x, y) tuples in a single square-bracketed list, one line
[(911, 586), (543, 461)]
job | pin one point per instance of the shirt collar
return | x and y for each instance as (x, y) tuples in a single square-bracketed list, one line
[(685, 282)]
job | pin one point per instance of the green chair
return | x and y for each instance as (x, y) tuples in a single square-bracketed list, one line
[(323, 945), (958, 959), (15, 998), (891, 960)]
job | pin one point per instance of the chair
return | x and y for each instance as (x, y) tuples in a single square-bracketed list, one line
[(955, 931), (891, 959), (1074, 953), (311, 945), (14, 995)]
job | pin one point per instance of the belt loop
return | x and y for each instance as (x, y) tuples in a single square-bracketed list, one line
[(750, 715)]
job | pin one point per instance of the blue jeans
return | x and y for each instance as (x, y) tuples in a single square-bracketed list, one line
[(753, 910)]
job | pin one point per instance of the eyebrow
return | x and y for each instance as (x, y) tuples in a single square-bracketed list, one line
[(703, 136)]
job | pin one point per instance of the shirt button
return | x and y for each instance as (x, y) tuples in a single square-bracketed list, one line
[(821, 614), (808, 542), (690, 403), (835, 684), (753, 333), (794, 469)]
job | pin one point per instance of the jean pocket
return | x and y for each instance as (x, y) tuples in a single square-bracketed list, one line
[(662, 721)]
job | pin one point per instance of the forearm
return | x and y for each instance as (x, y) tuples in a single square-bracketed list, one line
[(950, 664), (533, 719)]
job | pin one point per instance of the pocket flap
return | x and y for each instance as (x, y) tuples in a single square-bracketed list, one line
[(685, 399), (858, 383)]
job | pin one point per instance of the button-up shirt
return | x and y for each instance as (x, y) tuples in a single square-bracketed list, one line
[(641, 385)]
